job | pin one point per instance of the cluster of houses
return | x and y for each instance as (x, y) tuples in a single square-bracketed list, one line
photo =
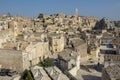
[(71, 39)]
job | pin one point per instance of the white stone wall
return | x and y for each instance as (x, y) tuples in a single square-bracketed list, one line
[(78, 62), (11, 59), (73, 71), (37, 51), (58, 44)]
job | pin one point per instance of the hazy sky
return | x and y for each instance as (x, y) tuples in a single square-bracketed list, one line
[(31, 8)]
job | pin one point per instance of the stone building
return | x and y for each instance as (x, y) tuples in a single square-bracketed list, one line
[(15, 27), (69, 61), (106, 43), (80, 46), (87, 23), (57, 42), (37, 51), (27, 55), (116, 44), (4, 37), (106, 38), (13, 59), (33, 52), (111, 73), (111, 59), (93, 51), (38, 47)]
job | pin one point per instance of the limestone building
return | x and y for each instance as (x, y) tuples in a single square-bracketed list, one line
[(57, 42), (4, 37), (80, 46), (111, 73), (112, 57), (69, 61), (38, 51), (30, 53), (13, 59)]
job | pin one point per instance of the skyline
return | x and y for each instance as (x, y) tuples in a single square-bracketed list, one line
[(101, 8)]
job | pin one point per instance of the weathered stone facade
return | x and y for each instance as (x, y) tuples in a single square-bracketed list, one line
[(69, 61), (57, 42), (111, 73), (12, 59)]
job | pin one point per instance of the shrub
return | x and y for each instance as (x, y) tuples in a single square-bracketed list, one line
[(46, 63), (27, 75)]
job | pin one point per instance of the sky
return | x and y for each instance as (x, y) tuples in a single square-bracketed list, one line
[(31, 8)]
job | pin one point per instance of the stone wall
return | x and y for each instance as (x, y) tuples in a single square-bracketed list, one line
[(57, 43), (11, 59), (73, 71), (37, 51), (42, 50), (82, 50)]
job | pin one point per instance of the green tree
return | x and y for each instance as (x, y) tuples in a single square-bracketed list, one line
[(27, 75)]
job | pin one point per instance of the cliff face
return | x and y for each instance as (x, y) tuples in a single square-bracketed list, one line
[(89, 21), (117, 23), (104, 23)]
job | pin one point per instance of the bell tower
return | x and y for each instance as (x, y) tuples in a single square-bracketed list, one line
[(76, 12)]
